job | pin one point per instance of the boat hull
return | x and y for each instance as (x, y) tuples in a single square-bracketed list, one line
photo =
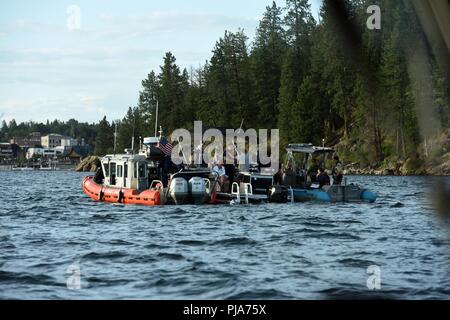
[(100, 193), (349, 193)]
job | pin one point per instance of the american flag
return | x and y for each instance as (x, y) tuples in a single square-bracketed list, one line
[(165, 146)]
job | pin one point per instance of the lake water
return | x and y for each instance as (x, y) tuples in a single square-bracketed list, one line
[(292, 251)]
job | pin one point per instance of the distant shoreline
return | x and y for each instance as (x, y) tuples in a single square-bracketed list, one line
[(9, 168)]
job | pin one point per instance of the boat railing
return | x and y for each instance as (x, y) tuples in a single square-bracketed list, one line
[(236, 192), (208, 186), (156, 184)]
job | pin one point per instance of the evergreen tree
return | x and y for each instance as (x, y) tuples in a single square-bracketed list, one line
[(170, 95), (306, 113), (267, 58), (127, 130), (104, 142), (3, 130), (300, 25), (228, 83), (147, 103)]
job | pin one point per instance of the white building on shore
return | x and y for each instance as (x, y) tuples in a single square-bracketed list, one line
[(54, 140), (44, 152)]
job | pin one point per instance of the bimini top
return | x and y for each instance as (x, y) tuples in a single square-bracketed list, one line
[(307, 148)]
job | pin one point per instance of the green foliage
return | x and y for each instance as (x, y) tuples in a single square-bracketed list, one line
[(333, 79), (71, 128), (104, 143), (266, 63)]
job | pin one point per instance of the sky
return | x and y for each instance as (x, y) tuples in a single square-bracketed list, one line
[(52, 67)]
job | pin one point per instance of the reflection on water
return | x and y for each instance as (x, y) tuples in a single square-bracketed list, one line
[(291, 251)]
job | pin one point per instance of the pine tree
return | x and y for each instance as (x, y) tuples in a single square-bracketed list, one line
[(307, 114), (441, 95), (104, 141), (267, 58), (300, 25), (170, 95), (147, 103), (127, 130), (228, 83)]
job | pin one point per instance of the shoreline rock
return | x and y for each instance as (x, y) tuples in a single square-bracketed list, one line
[(88, 164)]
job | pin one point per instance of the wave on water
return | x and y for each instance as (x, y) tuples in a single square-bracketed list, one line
[(288, 251)]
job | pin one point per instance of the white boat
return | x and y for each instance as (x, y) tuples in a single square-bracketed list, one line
[(22, 169)]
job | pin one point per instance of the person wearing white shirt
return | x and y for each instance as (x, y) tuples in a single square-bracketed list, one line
[(219, 169)]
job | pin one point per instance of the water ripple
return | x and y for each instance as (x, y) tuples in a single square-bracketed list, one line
[(274, 251)]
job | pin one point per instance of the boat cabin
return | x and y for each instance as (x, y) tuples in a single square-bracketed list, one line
[(126, 171), (150, 149), (298, 162), (307, 151)]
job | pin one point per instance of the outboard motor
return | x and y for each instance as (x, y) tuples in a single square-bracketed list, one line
[(179, 190), (278, 194), (197, 190)]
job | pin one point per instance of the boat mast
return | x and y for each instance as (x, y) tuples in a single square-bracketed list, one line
[(156, 118), (115, 136)]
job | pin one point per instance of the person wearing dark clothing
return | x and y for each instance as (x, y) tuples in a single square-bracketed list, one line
[(165, 169), (278, 177), (312, 171), (229, 171), (99, 176), (322, 178), (337, 171)]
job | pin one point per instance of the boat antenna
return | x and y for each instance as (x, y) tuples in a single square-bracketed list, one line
[(115, 136), (324, 154), (242, 123), (235, 146), (181, 150), (132, 138), (156, 118)]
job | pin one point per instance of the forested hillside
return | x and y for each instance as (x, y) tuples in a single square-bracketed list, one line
[(331, 79), (380, 96)]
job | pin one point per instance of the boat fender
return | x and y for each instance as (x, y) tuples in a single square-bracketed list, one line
[(101, 195), (120, 200), (213, 198)]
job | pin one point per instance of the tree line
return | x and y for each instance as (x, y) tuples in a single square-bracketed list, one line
[(71, 128), (331, 80)]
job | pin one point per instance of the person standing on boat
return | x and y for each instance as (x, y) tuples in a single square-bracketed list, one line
[(230, 167), (312, 171), (337, 171), (166, 147), (278, 177), (99, 175), (322, 178)]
